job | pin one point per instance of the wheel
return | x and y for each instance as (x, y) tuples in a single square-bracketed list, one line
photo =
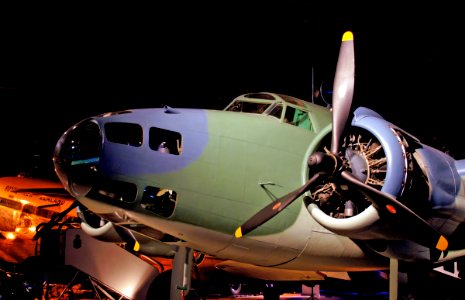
[(235, 288)]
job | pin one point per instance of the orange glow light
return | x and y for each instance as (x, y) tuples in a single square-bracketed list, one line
[(10, 236)]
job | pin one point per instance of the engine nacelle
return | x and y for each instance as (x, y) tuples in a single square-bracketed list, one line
[(385, 157)]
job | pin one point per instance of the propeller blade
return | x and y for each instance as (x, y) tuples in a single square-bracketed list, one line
[(274, 208), (343, 88), (421, 231), (132, 245), (342, 100)]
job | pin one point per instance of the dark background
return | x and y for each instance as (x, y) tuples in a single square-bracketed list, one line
[(62, 63)]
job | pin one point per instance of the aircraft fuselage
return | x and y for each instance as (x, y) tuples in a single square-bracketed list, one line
[(220, 167)]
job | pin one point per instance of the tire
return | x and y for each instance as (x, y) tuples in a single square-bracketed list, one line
[(235, 288)]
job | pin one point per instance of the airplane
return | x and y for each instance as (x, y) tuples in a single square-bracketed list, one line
[(276, 187), (27, 204)]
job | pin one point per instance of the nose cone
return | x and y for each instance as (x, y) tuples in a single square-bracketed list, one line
[(77, 155)]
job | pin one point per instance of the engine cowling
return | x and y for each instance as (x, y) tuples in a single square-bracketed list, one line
[(385, 157)]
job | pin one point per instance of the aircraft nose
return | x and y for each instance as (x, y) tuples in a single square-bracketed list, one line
[(76, 157)]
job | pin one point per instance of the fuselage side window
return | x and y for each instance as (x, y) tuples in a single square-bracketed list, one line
[(165, 141), (160, 201), (113, 191), (124, 133)]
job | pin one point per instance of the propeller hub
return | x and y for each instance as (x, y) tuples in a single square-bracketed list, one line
[(327, 162)]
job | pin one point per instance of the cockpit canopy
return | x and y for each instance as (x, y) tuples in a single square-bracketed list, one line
[(286, 108)]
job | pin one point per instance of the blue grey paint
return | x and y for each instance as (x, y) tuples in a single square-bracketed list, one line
[(381, 129), (443, 177), (191, 124)]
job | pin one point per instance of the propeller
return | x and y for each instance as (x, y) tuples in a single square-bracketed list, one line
[(342, 100), (417, 229), (274, 208), (330, 164), (343, 88)]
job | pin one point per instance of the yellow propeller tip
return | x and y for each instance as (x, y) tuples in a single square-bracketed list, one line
[(238, 233), (136, 246), (348, 36), (442, 243)]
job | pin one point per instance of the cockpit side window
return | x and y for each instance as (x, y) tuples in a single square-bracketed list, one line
[(298, 117), (276, 111), (165, 141)]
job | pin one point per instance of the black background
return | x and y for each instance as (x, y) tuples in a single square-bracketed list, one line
[(62, 63)]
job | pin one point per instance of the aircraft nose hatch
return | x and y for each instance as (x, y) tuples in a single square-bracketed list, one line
[(76, 157)]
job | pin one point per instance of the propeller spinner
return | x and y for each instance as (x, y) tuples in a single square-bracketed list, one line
[(330, 164)]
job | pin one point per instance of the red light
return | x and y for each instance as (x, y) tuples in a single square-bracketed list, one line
[(277, 206), (391, 209)]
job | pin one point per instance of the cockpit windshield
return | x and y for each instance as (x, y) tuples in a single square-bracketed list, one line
[(248, 107), (285, 108), (256, 103)]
